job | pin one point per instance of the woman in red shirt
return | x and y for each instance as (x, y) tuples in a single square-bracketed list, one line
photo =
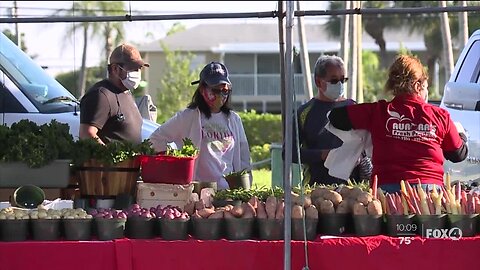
[(410, 137)]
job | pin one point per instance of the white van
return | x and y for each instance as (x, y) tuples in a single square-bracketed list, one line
[(461, 98), (28, 92)]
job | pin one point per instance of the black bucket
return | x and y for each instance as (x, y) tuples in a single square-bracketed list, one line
[(367, 225), (400, 225), (223, 203), (78, 229), (46, 229), (12, 230), (310, 226), (332, 224), (430, 222), (239, 228), (270, 229), (238, 181), (140, 228), (207, 229), (110, 228), (173, 229), (466, 223)]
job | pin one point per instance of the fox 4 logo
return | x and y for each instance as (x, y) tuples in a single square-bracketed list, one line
[(454, 233)]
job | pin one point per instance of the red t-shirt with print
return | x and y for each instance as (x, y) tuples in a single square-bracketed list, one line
[(408, 137)]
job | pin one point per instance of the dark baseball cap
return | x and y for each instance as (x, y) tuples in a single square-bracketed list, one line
[(214, 73), (128, 56)]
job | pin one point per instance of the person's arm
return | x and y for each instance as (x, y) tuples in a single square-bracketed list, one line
[(88, 131), (173, 130), (454, 137), (339, 118), (93, 115), (245, 158)]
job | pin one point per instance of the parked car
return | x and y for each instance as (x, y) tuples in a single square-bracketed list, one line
[(461, 98), (28, 92)]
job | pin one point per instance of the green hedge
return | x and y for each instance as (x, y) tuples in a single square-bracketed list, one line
[(261, 130)]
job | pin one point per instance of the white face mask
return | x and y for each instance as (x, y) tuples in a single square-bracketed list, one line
[(334, 91), (132, 81)]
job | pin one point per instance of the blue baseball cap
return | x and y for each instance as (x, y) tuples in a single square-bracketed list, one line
[(214, 73)]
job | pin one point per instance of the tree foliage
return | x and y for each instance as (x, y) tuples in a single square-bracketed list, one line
[(175, 88), (110, 32), (69, 79)]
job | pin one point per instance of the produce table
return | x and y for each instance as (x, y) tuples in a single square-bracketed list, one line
[(379, 252)]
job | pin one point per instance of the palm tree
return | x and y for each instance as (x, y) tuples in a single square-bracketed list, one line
[(81, 8), (112, 32), (374, 25)]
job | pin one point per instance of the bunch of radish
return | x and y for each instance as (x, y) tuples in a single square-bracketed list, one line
[(171, 212), (136, 211), (108, 213)]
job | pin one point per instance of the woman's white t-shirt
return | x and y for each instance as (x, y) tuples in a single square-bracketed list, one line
[(216, 150)]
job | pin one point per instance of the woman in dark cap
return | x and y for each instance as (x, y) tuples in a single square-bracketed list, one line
[(212, 126)]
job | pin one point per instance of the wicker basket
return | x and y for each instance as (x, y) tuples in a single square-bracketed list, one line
[(98, 179)]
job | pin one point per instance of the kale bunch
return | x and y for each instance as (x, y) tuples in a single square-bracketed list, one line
[(34, 145), (111, 153)]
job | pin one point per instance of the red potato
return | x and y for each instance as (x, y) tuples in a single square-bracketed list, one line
[(196, 215), (327, 207), (345, 192), (237, 211), (311, 212), (374, 207), (190, 208), (218, 214), (297, 211), (254, 201), (334, 197), (228, 215), (271, 207), (318, 193), (199, 205), (343, 207), (359, 209), (248, 210), (206, 212), (364, 198), (280, 209), (261, 210)]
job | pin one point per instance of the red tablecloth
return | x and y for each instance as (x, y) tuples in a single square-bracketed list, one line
[(371, 253)]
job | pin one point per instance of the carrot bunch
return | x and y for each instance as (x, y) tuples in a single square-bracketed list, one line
[(458, 201), (415, 200), (412, 200)]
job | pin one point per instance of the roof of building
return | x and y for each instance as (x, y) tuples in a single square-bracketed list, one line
[(263, 37)]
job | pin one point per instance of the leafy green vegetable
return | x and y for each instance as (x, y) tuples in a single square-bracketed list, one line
[(240, 173), (188, 149), (34, 145), (111, 153), (244, 195)]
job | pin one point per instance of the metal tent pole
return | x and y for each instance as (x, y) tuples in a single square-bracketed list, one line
[(287, 171)]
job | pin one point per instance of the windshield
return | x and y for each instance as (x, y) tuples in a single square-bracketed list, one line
[(33, 81)]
